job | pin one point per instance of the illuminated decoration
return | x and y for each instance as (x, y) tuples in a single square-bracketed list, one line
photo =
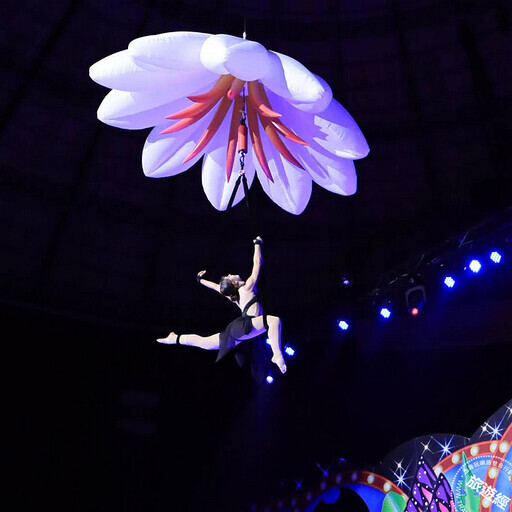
[(433, 473), (198, 90)]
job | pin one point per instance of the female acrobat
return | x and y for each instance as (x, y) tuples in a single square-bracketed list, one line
[(250, 324)]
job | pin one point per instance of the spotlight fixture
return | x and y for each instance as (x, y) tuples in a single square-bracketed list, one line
[(475, 266), (449, 281), (346, 280), (269, 379), (415, 296), (385, 312), (343, 325), (289, 351), (495, 257)]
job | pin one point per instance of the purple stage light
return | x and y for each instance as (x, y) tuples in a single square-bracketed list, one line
[(270, 379), (495, 257), (343, 325), (385, 313), (475, 266)]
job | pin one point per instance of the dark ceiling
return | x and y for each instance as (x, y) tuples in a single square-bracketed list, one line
[(98, 259)]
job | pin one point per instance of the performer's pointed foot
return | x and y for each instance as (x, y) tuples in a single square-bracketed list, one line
[(169, 340), (279, 361)]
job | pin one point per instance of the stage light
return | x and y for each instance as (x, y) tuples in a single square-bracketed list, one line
[(415, 311), (343, 325), (289, 350), (475, 266), (270, 379), (495, 257), (346, 280), (267, 341), (385, 312), (449, 281)]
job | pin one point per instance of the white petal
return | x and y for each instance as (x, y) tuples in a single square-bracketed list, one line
[(335, 174), (246, 60), (334, 129), (137, 110), (213, 177), (294, 82), (340, 133), (291, 188), (172, 50), (163, 155), (120, 71)]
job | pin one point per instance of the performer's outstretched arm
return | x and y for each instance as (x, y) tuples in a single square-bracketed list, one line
[(257, 262), (209, 284)]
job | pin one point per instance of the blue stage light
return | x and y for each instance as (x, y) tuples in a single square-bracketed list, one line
[(343, 325), (449, 281), (385, 312), (289, 350), (270, 379), (475, 266), (495, 257)]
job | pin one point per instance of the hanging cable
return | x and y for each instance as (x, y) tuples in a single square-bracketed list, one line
[(242, 150)]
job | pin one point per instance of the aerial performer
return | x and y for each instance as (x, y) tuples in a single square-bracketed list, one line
[(196, 90), (251, 323)]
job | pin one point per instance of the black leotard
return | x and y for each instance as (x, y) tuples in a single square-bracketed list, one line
[(239, 327)]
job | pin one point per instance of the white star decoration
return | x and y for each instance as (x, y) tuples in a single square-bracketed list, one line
[(446, 447)]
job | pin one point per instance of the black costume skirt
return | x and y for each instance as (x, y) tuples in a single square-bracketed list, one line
[(239, 327)]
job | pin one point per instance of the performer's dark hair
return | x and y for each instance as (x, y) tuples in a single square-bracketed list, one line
[(227, 289)]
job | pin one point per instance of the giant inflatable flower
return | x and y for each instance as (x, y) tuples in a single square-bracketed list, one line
[(196, 89)]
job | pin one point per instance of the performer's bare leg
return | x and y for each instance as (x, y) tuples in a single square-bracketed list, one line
[(274, 337), (212, 342), (193, 340)]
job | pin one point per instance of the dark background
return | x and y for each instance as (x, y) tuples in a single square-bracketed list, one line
[(98, 260)]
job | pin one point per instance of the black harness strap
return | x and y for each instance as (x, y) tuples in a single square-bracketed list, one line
[(243, 179)]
